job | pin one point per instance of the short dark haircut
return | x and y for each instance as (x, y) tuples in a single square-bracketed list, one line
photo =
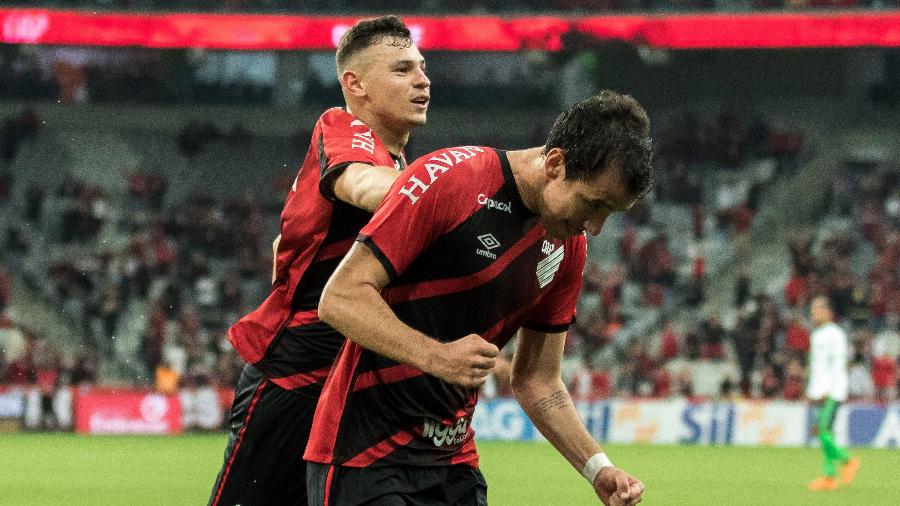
[(369, 32), (604, 130)]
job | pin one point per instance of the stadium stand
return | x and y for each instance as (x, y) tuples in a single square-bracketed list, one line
[(126, 253), (150, 263)]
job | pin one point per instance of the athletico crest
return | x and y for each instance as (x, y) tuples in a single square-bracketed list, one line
[(547, 267)]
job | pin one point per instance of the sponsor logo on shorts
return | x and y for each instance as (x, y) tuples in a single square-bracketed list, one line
[(446, 434)]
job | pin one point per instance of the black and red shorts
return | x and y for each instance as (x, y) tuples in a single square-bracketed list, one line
[(268, 431), (395, 486)]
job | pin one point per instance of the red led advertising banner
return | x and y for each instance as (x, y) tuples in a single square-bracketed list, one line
[(450, 33), (100, 411)]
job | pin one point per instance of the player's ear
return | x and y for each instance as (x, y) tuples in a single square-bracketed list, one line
[(555, 164), (351, 81)]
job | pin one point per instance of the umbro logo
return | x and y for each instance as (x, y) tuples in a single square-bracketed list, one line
[(489, 242)]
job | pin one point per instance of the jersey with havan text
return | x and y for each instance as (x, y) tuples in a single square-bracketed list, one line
[(464, 255), (283, 337)]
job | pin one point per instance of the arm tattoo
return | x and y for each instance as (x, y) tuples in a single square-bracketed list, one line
[(556, 401)]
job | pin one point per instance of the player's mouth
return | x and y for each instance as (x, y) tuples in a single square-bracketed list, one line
[(421, 102)]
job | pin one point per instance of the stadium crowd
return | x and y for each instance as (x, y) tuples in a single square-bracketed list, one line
[(184, 272)]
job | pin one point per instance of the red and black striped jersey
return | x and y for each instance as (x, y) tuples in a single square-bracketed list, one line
[(464, 256), (283, 337)]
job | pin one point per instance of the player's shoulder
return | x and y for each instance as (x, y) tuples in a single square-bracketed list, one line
[(472, 157), (338, 117), (832, 332), (838, 331), (578, 243), (454, 170), (460, 164)]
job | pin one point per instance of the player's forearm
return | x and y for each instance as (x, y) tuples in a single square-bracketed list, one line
[(358, 311), (364, 186), (549, 405)]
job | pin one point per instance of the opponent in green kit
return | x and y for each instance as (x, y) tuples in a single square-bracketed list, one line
[(827, 388)]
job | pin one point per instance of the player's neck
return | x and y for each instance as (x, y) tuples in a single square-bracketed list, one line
[(394, 142), (526, 166)]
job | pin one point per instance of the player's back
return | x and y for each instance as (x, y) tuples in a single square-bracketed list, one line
[(465, 256), (284, 337)]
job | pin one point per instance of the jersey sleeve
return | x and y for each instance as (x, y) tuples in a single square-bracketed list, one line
[(343, 139), (556, 309), (420, 207)]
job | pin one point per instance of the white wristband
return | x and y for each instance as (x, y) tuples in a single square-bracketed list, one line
[(594, 465)]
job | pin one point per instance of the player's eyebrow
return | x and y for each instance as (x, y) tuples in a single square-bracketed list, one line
[(407, 63)]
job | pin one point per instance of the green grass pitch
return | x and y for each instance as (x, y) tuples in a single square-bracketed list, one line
[(54, 469)]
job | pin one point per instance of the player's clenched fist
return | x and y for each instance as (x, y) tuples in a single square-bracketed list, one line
[(615, 487), (465, 362)]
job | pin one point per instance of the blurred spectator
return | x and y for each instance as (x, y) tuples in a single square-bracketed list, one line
[(587, 384), (884, 372), (34, 203), (669, 343), (796, 291), (662, 383), (796, 336), (146, 190), (84, 369), (861, 385), (728, 392), (892, 208), (110, 310), (741, 288), (6, 286), (683, 384), (167, 378), (692, 344), (888, 340), (771, 382), (13, 342), (795, 381), (196, 135), (843, 186), (13, 131), (712, 337), (71, 81), (696, 289), (637, 374), (801, 255), (46, 377), (6, 184), (4, 367)]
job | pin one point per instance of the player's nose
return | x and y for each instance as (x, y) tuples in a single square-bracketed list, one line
[(594, 225), (421, 80)]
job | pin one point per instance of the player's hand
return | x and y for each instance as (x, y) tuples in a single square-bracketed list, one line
[(466, 362), (615, 487)]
